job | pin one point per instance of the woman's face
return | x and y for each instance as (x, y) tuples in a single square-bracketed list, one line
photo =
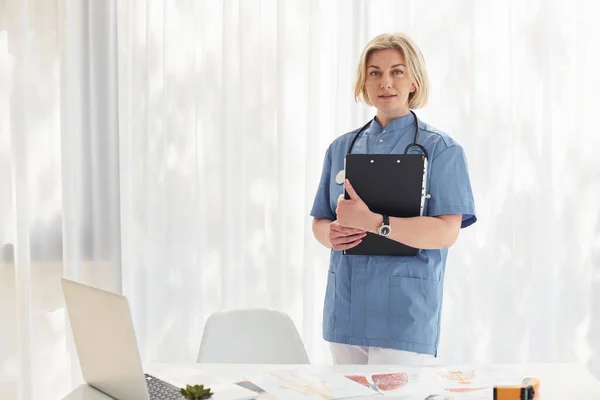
[(388, 84)]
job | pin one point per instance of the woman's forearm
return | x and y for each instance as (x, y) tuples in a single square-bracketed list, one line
[(320, 227), (422, 232)]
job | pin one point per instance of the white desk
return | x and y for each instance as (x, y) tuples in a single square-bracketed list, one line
[(558, 381)]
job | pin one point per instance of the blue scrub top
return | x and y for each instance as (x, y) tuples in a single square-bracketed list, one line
[(393, 301)]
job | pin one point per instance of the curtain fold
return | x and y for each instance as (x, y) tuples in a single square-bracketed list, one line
[(171, 151)]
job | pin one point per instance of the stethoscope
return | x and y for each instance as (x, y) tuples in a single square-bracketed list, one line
[(339, 178)]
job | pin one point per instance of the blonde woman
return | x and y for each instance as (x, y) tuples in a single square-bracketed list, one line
[(387, 309)]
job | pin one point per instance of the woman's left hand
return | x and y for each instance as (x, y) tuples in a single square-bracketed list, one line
[(354, 213)]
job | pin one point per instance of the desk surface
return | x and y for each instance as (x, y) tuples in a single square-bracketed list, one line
[(558, 381)]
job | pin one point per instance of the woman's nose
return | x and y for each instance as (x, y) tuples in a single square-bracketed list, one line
[(386, 82)]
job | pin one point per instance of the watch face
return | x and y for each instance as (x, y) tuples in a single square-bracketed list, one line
[(384, 230)]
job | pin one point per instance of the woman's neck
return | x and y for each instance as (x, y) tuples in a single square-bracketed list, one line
[(385, 118)]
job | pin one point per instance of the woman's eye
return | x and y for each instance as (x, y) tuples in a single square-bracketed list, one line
[(398, 72), (374, 73)]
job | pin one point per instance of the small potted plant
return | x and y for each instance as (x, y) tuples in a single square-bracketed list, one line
[(196, 392)]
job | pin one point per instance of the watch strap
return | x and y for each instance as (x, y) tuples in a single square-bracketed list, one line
[(386, 220)]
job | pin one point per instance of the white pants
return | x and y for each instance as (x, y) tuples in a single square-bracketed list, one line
[(351, 354)]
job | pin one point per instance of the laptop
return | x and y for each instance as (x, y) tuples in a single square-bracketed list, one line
[(107, 348)]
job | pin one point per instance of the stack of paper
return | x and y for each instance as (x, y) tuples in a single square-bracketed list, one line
[(401, 383), (304, 385), (438, 383)]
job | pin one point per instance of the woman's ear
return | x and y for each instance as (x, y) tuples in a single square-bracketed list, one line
[(413, 88)]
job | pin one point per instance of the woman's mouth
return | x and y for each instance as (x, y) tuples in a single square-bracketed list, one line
[(387, 96)]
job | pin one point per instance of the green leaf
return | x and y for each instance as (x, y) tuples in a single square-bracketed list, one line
[(196, 392)]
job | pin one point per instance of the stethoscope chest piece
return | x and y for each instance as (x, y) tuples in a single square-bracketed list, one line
[(339, 177)]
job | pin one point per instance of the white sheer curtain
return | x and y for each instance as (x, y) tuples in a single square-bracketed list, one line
[(171, 151), (59, 204)]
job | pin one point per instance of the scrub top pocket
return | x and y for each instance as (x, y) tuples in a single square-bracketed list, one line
[(414, 309)]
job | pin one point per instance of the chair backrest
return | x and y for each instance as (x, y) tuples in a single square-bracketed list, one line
[(251, 336)]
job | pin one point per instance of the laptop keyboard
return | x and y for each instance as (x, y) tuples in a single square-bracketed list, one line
[(161, 390)]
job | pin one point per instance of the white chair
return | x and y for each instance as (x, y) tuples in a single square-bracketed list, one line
[(251, 336)]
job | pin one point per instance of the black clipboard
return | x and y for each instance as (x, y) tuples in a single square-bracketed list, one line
[(391, 184)]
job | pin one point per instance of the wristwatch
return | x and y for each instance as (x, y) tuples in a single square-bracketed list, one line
[(385, 228)]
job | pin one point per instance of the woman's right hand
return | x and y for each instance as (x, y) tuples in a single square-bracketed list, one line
[(342, 238)]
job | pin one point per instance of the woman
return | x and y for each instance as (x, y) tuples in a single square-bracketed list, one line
[(387, 309)]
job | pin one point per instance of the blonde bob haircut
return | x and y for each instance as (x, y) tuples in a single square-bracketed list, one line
[(415, 64)]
